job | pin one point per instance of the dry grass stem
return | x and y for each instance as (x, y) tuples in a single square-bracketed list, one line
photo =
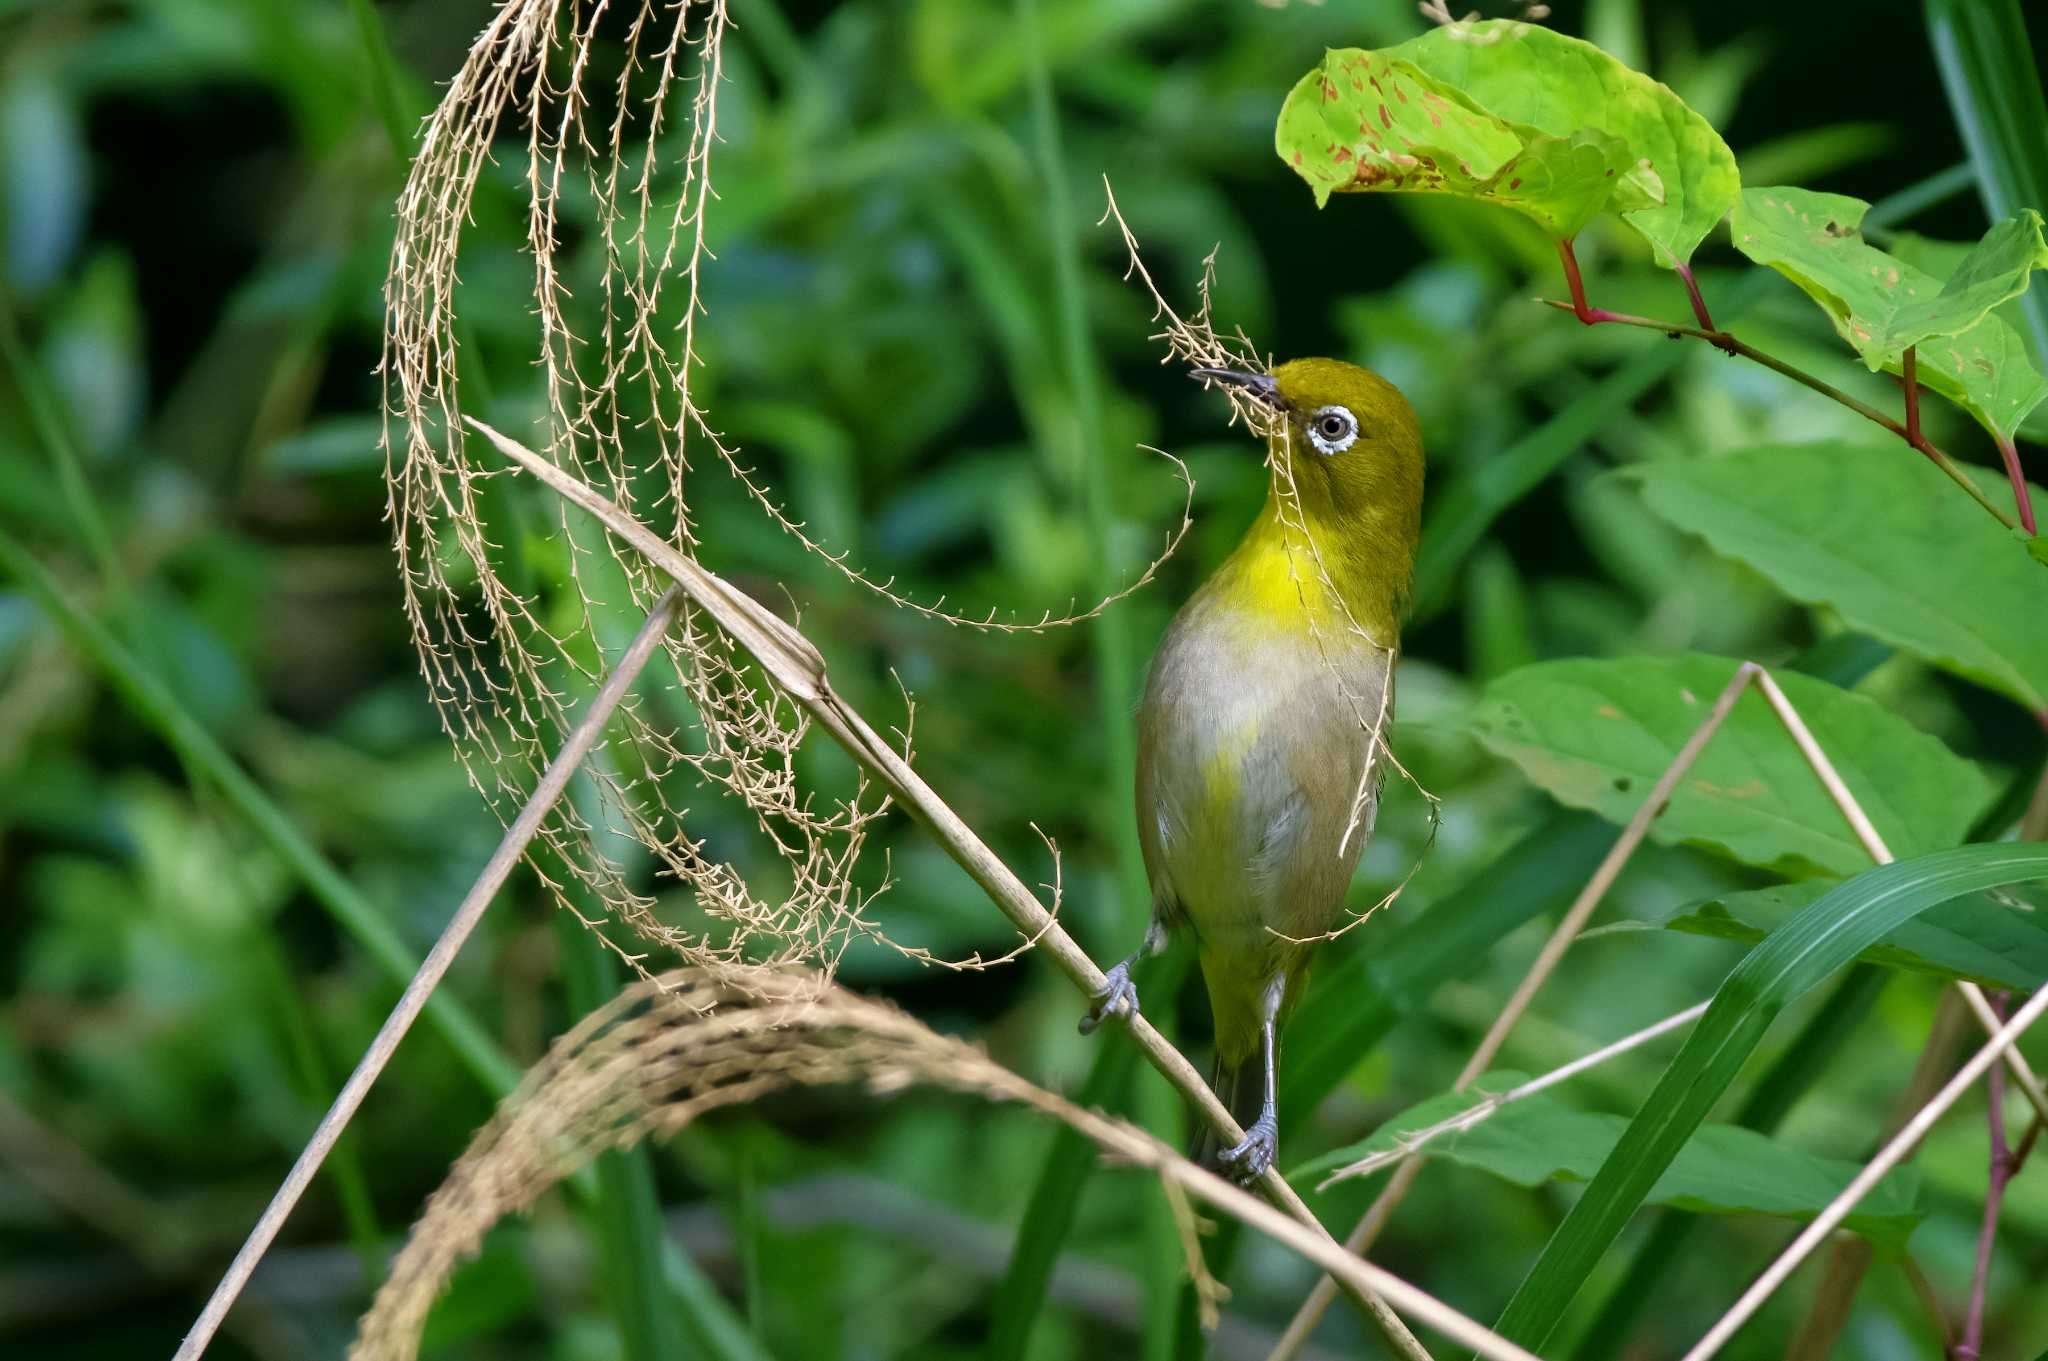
[(672, 1049), (1894, 1152), (511, 849), (1492, 1105), (1560, 939), (1866, 833), (1747, 674), (797, 670)]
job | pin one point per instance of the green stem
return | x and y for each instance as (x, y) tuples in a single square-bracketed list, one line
[(1115, 670), (1722, 340), (155, 705)]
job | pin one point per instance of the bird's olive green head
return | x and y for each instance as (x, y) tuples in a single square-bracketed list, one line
[(1351, 444)]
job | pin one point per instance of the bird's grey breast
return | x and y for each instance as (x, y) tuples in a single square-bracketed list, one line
[(1252, 746)]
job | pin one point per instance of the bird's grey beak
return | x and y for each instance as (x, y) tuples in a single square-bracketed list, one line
[(1262, 386)]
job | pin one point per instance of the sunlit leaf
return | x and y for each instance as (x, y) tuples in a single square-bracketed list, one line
[(1883, 305), (1598, 733), (1879, 535), (1514, 114), (1721, 1169)]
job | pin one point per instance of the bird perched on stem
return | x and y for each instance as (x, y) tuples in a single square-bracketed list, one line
[(1260, 749)]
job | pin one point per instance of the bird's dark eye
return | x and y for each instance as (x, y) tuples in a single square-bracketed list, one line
[(1332, 429)]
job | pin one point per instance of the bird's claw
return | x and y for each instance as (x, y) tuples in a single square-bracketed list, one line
[(1247, 1161), (1118, 997)]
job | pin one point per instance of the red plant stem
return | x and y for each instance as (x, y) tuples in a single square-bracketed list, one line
[(2003, 1165), (1699, 309), (1909, 378), (1591, 316), (2021, 497), (1723, 340)]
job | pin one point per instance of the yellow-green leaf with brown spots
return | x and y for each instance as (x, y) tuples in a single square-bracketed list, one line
[(1882, 305)]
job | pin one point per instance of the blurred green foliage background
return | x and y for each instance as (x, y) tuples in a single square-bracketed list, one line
[(197, 202)]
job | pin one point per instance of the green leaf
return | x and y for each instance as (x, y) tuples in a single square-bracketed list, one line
[(1818, 940), (1878, 535), (1514, 114), (1598, 733), (1721, 1169), (1976, 937), (1883, 305), (2038, 547)]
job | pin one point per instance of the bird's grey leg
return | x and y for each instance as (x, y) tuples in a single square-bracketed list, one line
[(1119, 995), (1248, 1160)]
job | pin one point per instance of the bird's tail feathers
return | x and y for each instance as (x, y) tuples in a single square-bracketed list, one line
[(1239, 1086)]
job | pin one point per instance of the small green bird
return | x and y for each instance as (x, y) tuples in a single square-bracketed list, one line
[(1259, 732)]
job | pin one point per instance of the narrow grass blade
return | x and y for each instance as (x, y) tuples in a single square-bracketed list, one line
[(1791, 961), (185, 735), (1987, 68)]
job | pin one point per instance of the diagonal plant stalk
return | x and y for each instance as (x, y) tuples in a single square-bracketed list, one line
[(797, 669), (432, 969), (1893, 1153), (2003, 1165), (1749, 673), (1728, 344), (1493, 1104)]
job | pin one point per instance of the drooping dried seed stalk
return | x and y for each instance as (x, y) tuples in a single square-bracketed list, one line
[(672, 1048), (601, 116)]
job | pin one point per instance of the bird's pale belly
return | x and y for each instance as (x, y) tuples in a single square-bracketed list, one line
[(1250, 758)]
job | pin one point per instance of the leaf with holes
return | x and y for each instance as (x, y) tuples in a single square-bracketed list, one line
[(1879, 536), (1722, 1169), (1514, 114), (1597, 733), (1883, 306)]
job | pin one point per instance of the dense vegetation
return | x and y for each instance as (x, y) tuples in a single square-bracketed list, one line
[(230, 822)]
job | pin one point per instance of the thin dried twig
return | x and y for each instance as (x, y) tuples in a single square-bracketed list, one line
[(1568, 927), (511, 848), (1894, 1152), (1747, 674), (671, 1049), (1413, 1143), (797, 671)]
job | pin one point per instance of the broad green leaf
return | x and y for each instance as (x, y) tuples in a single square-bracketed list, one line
[(1367, 121), (1514, 114), (1681, 178), (2038, 547), (1721, 1169), (1821, 938), (1598, 733), (1975, 937), (1879, 535), (1883, 305)]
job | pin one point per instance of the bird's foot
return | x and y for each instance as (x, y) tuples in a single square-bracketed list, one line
[(1118, 997), (1246, 1162)]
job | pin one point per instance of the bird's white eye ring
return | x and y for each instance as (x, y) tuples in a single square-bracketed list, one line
[(1332, 429)]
